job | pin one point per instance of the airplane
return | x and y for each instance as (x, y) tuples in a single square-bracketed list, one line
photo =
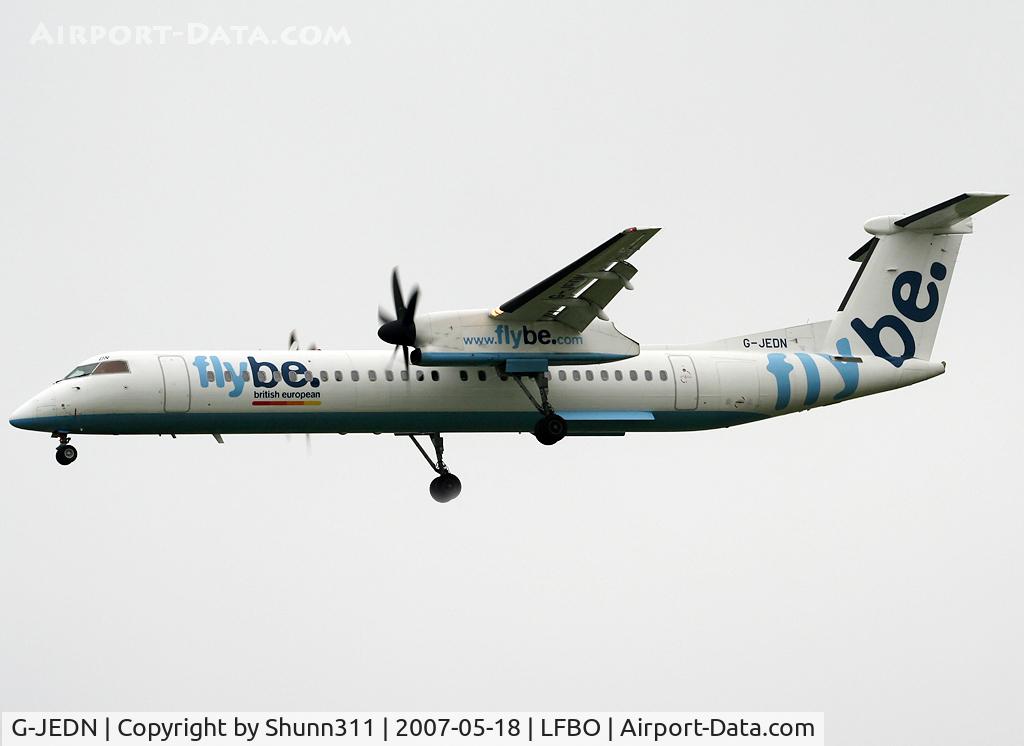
[(549, 361)]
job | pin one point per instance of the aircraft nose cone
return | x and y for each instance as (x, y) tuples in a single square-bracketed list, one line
[(19, 417)]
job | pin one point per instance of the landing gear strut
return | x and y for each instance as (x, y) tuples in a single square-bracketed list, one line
[(550, 428), (66, 453), (445, 487)]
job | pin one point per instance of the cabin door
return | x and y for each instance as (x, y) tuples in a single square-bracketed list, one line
[(177, 390), (686, 381)]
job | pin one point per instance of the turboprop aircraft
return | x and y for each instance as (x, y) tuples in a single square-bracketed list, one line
[(548, 361)]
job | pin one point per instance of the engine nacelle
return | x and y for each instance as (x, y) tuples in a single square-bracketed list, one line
[(452, 338)]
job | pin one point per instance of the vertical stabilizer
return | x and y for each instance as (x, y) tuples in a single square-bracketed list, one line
[(893, 307)]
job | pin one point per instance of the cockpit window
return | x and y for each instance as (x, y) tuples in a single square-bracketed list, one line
[(111, 366), (81, 370), (107, 366)]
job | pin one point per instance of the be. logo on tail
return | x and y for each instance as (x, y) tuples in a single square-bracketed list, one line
[(908, 282)]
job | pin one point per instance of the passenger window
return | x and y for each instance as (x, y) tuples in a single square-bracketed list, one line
[(434, 375), (648, 376), (618, 375), (277, 376), (419, 375), (482, 375), (561, 375), (245, 375), (463, 375), (372, 375), (227, 376), (389, 375), (209, 376), (337, 375), (604, 375), (265, 376), (633, 376), (355, 375), (323, 375), (111, 366), (547, 375), (575, 375), (590, 375), (405, 375), (663, 375), (309, 375)]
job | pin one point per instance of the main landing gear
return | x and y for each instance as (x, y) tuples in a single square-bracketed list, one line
[(445, 487), (550, 428), (66, 453)]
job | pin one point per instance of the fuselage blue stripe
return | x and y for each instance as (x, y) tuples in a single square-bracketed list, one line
[(375, 422)]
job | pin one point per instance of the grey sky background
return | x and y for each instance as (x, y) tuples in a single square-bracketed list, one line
[(864, 560)]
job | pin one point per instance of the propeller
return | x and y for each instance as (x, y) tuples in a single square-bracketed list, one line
[(400, 330), (309, 442), (293, 342)]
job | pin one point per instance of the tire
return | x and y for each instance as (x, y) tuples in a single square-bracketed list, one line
[(550, 429), (66, 454), (445, 487)]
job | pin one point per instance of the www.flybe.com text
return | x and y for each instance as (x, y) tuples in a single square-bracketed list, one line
[(505, 335)]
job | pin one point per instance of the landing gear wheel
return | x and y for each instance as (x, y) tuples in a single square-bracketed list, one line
[(445, 487), (550, 429), (66, 454)]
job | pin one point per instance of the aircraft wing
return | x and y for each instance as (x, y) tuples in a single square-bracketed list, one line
[(576, 294)]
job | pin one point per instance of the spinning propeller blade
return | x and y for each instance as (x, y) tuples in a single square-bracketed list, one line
[(400, 331)]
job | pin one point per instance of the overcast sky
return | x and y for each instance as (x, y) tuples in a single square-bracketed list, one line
[(864, 560)]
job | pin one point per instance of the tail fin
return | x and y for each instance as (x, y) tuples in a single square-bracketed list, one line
[(893, 307)]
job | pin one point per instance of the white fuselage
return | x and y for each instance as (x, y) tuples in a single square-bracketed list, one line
[(364, 391)]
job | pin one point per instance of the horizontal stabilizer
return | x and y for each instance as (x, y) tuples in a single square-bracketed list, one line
[(951, 216), (949, 213)]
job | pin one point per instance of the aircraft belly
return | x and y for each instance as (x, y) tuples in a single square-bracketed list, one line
[(380, 422)]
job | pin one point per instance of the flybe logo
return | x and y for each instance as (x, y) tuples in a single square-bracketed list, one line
[(505, 335), (233, 376), (906, 283)]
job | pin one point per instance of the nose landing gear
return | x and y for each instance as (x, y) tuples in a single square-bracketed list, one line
[(66, 453), (445, 487)]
